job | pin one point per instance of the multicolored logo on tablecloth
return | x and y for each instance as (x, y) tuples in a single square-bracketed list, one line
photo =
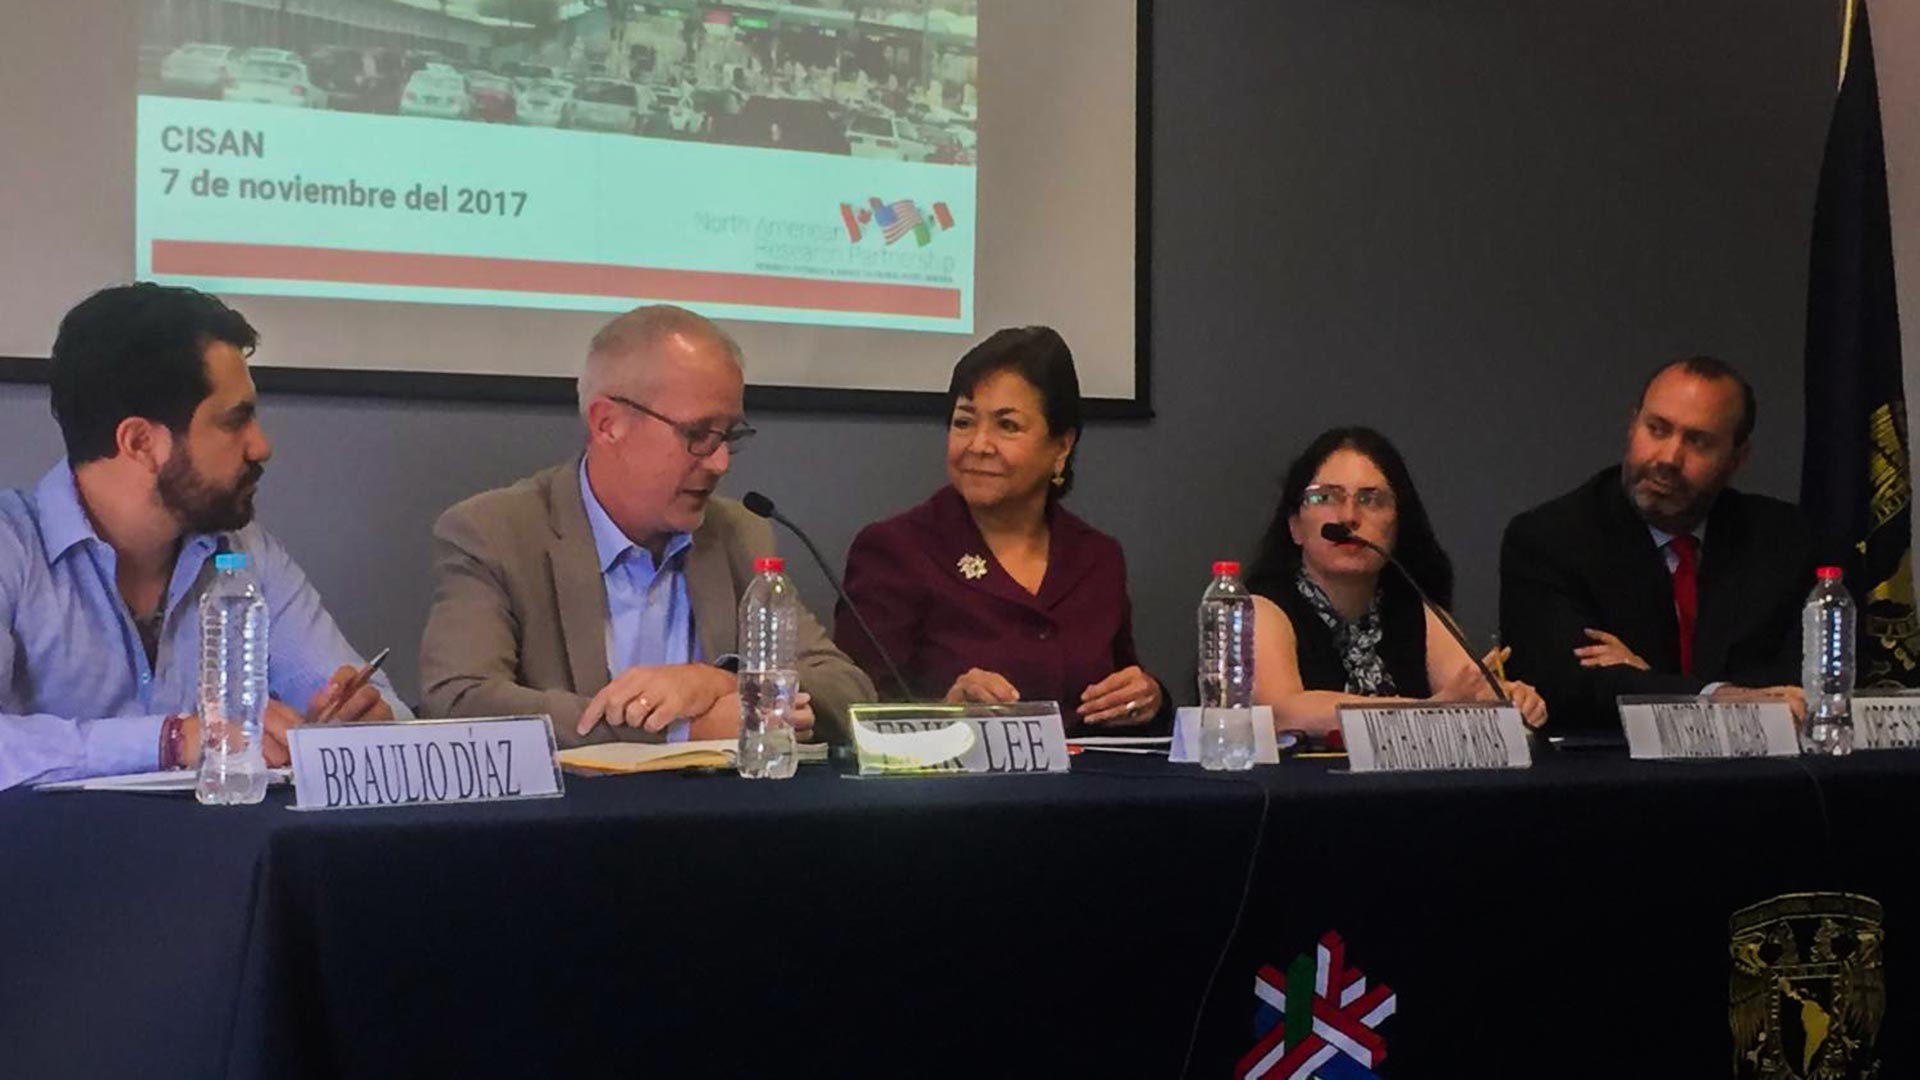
[(1316, 1020), (896, 219)]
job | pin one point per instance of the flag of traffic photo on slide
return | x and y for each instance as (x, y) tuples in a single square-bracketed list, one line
[(1856, 486)]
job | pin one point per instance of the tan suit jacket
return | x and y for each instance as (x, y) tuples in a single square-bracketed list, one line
[(519, 619)]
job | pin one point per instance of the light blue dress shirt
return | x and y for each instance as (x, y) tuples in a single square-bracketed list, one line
[(649, 616), (77, 696), (1672, 558)]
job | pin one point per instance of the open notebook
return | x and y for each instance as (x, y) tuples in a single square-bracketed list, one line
[(628, 757)]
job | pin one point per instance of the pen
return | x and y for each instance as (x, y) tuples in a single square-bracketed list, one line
[(1499, 662), (353, 685)]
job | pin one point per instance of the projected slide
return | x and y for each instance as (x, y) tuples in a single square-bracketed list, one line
[(795, 163)]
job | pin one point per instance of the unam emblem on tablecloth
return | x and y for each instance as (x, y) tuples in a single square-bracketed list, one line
[(1808, 991), (1316, 1020)]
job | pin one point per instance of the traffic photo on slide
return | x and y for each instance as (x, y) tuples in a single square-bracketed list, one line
[(435, 91), (607, 105), (543, 102), (356, 80), (782, 160), (198, 69), (886, 80), (873, 135), (490, 97), (275, 82)]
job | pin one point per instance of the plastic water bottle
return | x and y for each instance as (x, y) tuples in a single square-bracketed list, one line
[(1226, 671), (233, 686), (769, 681), (1827, 665)]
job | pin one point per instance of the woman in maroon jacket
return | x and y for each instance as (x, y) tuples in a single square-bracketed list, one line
[(991, 591)]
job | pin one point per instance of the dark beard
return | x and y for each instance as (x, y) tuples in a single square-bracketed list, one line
[(199, 506), (1697, 503)]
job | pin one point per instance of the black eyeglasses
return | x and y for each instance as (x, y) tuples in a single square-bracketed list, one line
[(701, 441)]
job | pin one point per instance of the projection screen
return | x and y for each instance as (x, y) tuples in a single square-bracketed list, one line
[(446, 198)]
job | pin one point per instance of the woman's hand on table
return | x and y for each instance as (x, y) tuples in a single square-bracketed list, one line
[(1128, 696)]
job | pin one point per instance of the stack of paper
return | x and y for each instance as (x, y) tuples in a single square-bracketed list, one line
[(628, 757), (1121, 744), (168, 780)]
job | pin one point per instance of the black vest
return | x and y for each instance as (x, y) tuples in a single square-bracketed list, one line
[(1403, 640)]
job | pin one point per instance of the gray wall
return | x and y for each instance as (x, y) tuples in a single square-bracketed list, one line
[(1472, 224)]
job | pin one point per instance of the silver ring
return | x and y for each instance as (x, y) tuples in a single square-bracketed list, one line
[(1133, 707)]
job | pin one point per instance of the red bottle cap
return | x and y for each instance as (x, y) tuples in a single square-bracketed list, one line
[(1224, 567), (771, 563), (1828, 573)]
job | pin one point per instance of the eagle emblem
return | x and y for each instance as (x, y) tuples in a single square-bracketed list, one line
[(1808, 990)]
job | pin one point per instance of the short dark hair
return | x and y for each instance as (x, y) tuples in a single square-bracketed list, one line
[(136, 350), (1415, 546), (1712, 367), (1039, 355)]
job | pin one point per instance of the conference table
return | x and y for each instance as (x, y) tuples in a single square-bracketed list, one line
[(1570, 919)]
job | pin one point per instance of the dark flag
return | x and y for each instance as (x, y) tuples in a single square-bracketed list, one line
[(1855, 482)]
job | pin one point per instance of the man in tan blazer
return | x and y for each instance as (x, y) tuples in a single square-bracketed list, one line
[(604, 591)]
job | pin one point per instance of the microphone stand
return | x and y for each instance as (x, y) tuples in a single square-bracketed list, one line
[(763, 506), (1339, 533)]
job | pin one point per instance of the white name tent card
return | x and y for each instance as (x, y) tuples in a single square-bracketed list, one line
[(1185, 748), (1701, 729), (342, 766), (1886, 721), (1432, 738), (1021, 738)]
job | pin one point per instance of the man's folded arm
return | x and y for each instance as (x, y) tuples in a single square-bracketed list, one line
[(1544, 621)]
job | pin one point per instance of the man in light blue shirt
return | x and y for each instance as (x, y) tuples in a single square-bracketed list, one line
[(603, 592), (104, 561), (649, 616)]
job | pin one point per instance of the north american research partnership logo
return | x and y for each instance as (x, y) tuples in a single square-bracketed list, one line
[(894, 220)]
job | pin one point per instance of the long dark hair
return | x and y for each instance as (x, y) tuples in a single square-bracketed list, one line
[(1274, 566), (1039, 355)]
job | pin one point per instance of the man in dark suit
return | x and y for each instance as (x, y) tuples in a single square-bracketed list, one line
[(1654, 577)]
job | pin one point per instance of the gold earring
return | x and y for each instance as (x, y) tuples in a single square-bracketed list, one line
[(1060, 479)]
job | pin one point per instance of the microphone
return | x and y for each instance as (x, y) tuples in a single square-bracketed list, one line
[(1339, 533), (762, 506)]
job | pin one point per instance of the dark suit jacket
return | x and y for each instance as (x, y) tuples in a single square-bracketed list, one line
[(519, 618), (936, 622), (1586, 559)]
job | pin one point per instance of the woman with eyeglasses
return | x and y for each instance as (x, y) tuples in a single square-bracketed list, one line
[(991, 591), (1333, 623)]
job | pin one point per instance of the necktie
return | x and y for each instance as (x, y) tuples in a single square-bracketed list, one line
[(1686, 593)]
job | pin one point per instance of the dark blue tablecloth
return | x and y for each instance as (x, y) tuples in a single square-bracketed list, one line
[(1568, 920)]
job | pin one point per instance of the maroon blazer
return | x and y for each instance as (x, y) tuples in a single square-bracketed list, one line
[(905, 575)]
